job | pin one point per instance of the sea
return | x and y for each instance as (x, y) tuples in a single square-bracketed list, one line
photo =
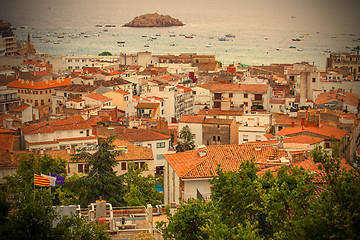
[(263, 30)]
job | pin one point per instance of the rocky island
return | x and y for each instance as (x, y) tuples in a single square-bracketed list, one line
[(154, 20)]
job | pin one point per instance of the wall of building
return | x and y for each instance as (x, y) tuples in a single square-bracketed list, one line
[(191, 186)]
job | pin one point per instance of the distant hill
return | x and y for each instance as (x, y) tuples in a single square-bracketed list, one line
[(154, 20)]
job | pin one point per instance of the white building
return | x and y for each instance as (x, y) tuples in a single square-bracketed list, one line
[(195, 125), (67, 133), (253, 127)]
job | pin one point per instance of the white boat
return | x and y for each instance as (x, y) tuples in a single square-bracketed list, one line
[(153, 37), (144, 35), (172, 44), (146, 45), (209, 45)]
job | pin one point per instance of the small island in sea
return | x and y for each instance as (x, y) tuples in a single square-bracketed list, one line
[(154, 20)]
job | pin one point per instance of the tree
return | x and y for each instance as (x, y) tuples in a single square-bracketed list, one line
[(101, 182), (285, 205), (357, 49), (140, 189), (105, 54), (185, 140)]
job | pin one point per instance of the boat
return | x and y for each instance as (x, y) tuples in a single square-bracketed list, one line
[(266, 38), (172, 44), (209, 45), (188, 36), (120, 42), (152, 37), (292, 47), (182, 35), (60, 36), (229, 35), (86, 36), (98, 25), (146, 45), (300, 49), (327, 51), (172, 35), (278, 49), (158, 35), (145, 35), (296, 39), (222, 39), (304, 34)]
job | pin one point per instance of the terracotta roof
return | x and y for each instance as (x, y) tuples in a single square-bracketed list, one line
[(2, 117), (277, 101), (122, 92), (146, 105), (20, 109), (40, 85), (75, 100), (219, 121), (338, 95), (284, 119), (190, 165), (141, 135), (221, 87), (325, 131), (98, 97), (72, 123), (184, 88), (220, 112), (269, 135), (192, 119), (7, 142), (133, 152), (10, 160), (40, 73), (79, 88), (303, 139)]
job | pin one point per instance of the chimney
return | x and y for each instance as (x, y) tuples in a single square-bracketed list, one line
[(292, 124), (281, 144), (201, 150)]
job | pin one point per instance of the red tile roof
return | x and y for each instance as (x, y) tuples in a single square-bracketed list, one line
[(277, 101), (40, 85), (133, 152), (20, 109), (75, 100), (192, 119), (189, 164), (75, 122), (303, 139), (147, 105), (98, 97), (7, 142), (284, 119), (2, 117), (221, 87), (122, 92), (325, 131), (338, 95), (220, 112), (184, 88), (141, 135)]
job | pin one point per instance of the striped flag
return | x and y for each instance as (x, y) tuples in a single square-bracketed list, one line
[(41, 181), (52, 179)]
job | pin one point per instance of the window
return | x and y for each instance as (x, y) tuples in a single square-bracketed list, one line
[(83, 60), (327, 145), (218, 138), (160, 145), (41, 92), (246, 104), (77, 67), (313, 79), (80, 168), (218, 126), (214, 138), (230, 94), (160, 156), (123, 165), (149, 145), (258, 97), (77, 60), (69, 67), (245, 138), (69, 60), (246, 95)]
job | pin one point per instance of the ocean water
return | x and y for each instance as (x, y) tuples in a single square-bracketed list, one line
[(260, 28)]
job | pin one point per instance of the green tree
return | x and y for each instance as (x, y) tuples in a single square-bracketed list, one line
[(188, 222), (106, 53), (185, 140), (101, 182), (140, 189), (357, 49)]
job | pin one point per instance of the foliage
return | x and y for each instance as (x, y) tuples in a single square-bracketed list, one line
[(101, 182), (140, 189), (78, 228), (106, 53), (185, 140), (188, 222), (285, 205)]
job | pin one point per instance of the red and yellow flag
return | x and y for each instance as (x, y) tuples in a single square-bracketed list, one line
[(41, 181)]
